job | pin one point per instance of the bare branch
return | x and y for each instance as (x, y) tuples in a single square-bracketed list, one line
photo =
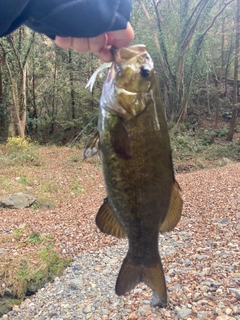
[(10, 40), (215, 17), (189, 36)]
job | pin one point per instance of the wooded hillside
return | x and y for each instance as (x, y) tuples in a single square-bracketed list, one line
[(195, 47)]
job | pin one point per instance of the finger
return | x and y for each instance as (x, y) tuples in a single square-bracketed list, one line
[(64, 43), (81, 45), (122, 38), (105, 54), (96, 44)]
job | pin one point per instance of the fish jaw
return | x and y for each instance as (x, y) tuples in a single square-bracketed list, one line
[(128, 86)]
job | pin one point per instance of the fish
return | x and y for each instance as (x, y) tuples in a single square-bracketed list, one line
[(143, 197)]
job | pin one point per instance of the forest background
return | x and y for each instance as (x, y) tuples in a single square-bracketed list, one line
[(195, 48)]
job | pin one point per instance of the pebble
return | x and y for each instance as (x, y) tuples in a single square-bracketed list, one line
[(76, 284), (236, 291), (228, 311), (202, 315), (204, 288), (183, 313), (224, 317), (224, 220), (86, 290), (88, 309)]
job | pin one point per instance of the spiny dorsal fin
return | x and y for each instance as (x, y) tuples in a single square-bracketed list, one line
[(92, 146), (174, 211), (108, 223)]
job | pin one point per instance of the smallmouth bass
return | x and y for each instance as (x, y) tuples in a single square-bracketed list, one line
[(143, 197)]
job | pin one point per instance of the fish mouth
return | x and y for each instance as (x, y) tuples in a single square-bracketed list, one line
[(124, 91)]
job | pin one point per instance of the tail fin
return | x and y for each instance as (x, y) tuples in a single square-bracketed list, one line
[(131, 274)]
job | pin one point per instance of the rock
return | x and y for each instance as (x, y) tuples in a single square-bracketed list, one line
[(155, 300), (204, 288), (228, 311), (16, 308), (224, 317), (183, 313), (196, 295), (202, 301), (2, 251), (202, 315), (219, 291), (87, 309), (76, 284), (224, 220), (236, 291), (236, 275), (18, 200)]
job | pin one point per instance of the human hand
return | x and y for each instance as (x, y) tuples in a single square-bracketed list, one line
[(100, 45)]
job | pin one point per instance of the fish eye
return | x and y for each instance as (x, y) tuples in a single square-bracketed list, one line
[(145, 72)]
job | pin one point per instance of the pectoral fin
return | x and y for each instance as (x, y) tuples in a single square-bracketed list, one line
[(92, 146), (175, 209), (108, 223), (120, 138)]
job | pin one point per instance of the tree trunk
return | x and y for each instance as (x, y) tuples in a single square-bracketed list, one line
[(72, 93), (235, 81), (3, 116), (22, 119)]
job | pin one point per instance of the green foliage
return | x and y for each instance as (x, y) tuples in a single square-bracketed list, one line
[(20, 231), (43, 203), (222, 132), (50, 187), (59, 106), (23, 180), (6, 182), (18, 151), (77, 188), (26, 274), (186, 147), (35, 237)]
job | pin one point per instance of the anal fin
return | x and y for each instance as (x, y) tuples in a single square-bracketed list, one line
[(174, 211), (108, 223)]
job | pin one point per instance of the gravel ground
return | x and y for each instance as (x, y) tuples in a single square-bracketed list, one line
[(200, 259), (86, 290)]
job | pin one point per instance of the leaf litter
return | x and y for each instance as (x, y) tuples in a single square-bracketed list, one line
[(200, 257)]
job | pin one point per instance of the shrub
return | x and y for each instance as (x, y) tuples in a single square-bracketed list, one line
[(20, 151)]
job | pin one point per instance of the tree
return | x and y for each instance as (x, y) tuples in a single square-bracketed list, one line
[(236, 105), (16, 66), (182, 27)]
